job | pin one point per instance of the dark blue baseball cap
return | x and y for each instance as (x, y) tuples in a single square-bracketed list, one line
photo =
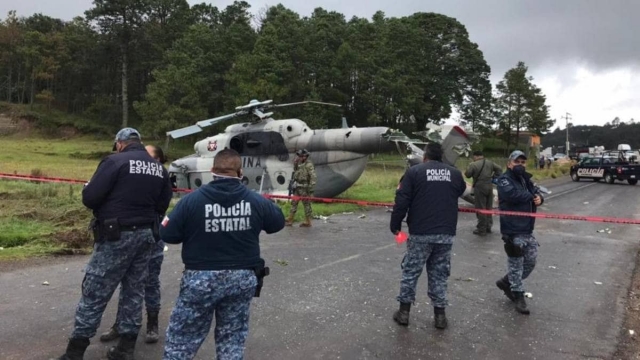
[(126, 134), (517, 154)]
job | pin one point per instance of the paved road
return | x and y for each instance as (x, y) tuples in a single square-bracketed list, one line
[(335, 296)]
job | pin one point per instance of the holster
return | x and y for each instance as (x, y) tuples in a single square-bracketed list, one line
[(94, 229), (110, 230), (261, 271), (510, 248)]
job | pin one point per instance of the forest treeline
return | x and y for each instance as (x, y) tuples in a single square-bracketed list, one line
[(609, 135), (163, 64)]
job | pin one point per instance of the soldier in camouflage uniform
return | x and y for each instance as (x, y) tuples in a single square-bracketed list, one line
[(482, 171), (152, 287), (516, 192), (304, 176), (429, 192), (127, 193), (219, 226)]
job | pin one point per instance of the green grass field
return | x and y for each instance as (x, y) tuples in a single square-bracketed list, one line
[(39, 219)]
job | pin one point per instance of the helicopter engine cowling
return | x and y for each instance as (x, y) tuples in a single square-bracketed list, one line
[(361, 141)]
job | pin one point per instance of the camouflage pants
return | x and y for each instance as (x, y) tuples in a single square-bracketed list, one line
[(152, 285), (225, 293), (521, 267), (483, 195), (152, 289), (434, 252), (124, 261), (301, 191)]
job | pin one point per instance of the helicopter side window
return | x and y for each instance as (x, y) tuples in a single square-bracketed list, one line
[(259, 143), (236, 144)]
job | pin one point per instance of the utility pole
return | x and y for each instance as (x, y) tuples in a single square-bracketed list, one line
[(566, 118)]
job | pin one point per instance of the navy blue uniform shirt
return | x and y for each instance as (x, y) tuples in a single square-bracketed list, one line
[(516, 194), (219, 226), (130, 186), (430, 192)]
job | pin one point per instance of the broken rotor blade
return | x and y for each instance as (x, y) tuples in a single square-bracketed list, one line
[(210, 122), (189, 130)]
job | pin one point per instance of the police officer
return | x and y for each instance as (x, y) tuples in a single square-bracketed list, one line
[(152, 288), (127, 192), (482, 171), (516, 192), (304, 175), (430, 192), (218, 226)]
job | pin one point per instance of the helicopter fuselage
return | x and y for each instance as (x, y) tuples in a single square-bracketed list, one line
[(268, 148)]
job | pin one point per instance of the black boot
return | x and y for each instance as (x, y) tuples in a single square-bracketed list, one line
[(124, 349), (112, 334), (440, 318), (521, 305), (75, 349), (504, 285), (402, 316), (152, 327)]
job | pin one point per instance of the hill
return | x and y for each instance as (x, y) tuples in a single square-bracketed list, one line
[(608, 136)]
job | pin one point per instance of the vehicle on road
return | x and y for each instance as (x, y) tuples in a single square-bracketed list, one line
[(605, 167), (559, 156)]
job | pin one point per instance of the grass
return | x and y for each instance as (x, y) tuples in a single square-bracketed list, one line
[(38, 219)]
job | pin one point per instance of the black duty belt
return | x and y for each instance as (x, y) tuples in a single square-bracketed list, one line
[(135, 227)]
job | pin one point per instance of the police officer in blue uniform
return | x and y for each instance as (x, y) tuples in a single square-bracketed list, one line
[(516, 192), (430, 192), (127, 193), (219, 226), (152, 287)]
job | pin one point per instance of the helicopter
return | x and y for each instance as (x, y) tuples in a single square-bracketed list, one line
[(268, 146)]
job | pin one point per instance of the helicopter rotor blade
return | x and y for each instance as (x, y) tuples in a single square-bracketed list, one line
[(185, 131), (209, 122), (304, 102), (253, 104)]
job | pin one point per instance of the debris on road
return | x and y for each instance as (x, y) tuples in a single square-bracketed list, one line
[(631, 332), (597, 282), (362, 216), (320, 217), (281, 262), (529, 295), (45, 283), (552, 267), (166, 248)]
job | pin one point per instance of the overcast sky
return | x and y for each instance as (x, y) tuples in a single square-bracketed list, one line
[(584, 54)]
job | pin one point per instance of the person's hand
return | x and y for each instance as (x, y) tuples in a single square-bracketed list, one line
[(537, 200)]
